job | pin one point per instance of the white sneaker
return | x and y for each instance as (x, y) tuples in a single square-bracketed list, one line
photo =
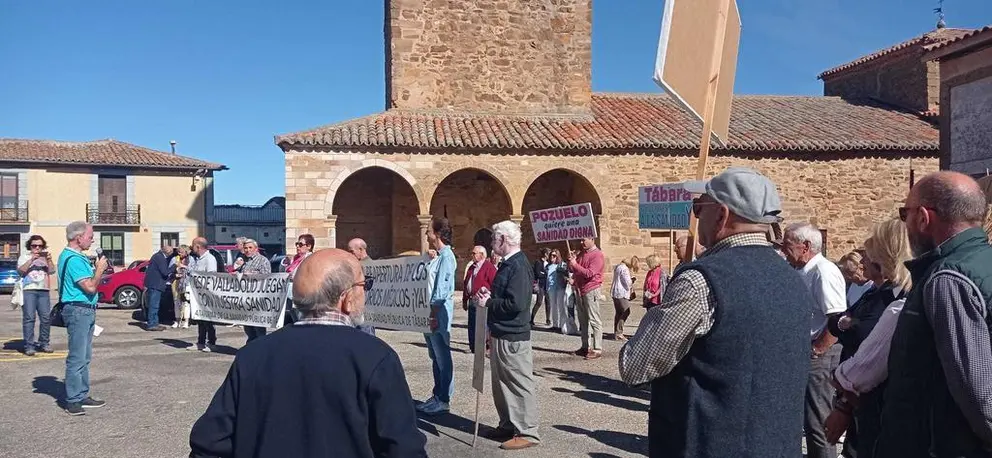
[(186, 325), (206, 349), (175, 325), (435, 408), (194, 348), (428, 402)]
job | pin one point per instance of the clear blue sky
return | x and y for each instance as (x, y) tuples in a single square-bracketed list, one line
[(222, 78)]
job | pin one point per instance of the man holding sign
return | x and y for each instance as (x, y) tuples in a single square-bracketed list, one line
[(512, 360), (588, 269)]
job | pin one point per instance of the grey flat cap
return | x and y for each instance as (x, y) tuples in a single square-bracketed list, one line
[(745, 192)]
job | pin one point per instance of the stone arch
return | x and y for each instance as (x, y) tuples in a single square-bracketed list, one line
[(379, 205), (472, 198), (422, 202), (553, 188)]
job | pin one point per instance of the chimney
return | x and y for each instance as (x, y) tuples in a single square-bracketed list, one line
[(173, 144), (511, 56)]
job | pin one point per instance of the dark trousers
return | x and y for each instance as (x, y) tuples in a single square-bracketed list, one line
[(542, 299), (621, 308), (254, 332), (819, 402), (206, 333)]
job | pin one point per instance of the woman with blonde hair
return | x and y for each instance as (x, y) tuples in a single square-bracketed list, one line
[(654, 282), (866, 331), (623, 287)]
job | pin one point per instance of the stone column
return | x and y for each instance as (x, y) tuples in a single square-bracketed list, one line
[(517, 219), (425, 223), (331, 225)]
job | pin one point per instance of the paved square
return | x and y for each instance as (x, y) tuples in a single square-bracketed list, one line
[(155, 390)]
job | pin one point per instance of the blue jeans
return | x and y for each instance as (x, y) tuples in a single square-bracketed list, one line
[(36, 303), (439, 349), (79, 322), (154, 298)]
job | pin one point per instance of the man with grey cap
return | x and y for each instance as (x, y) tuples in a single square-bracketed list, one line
[(726, 352)]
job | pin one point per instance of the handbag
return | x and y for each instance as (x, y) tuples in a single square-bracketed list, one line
[(17, 296), (633, 295), (55, 318)]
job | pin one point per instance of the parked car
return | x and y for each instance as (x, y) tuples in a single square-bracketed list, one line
[(8, 275), (123, 288)]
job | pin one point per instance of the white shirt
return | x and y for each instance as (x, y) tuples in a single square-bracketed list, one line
[(37, 277), (827, 285), (869, 366), (855, 291)]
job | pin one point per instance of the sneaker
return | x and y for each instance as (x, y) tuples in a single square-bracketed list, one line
[(423, 405), (46, 349), (29, 351), (156, 328), (435, 407), (90, 403), (196, 347), (206, 349), (185, 325), (75, 409), (175, 325)]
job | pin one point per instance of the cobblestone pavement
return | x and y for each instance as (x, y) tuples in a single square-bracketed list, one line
[(155, 390)]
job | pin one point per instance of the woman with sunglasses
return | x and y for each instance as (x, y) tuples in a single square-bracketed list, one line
[(304, 248), (35, 266)]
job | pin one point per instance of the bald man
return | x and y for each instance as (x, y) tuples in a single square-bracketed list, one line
[(938, 401), (351, 401)]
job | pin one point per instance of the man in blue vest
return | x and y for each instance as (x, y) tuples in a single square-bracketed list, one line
[(938, 401), (727, 350)]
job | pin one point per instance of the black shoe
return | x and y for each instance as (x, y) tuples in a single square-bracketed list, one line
[(29, 351), (157, 328), (75, 409), (46, 349), (90, 403)]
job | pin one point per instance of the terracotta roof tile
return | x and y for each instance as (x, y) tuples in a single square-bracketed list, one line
[(936, 36), (639, 122), (984, 31), (107, 153)]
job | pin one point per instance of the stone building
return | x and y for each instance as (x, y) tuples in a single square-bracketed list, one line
[(490, 114), (265, 223)]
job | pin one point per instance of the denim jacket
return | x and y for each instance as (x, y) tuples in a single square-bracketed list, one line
[(444, 282)]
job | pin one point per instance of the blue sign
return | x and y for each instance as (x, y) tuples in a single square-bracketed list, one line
[(663, 207)]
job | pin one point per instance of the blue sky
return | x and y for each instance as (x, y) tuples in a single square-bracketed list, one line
[(222, 78)]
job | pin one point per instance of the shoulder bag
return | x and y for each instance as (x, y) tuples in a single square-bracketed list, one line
[(55, 318)]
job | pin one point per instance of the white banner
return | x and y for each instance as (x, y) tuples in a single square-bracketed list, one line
[(248, 300), (399, 298), (571, 222)]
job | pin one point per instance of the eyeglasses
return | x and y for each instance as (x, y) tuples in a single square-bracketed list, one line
[(697, 205), (367, 284)]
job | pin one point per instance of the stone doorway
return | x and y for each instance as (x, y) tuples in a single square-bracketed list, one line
[(471, 199), (553, 189), (379, 206)]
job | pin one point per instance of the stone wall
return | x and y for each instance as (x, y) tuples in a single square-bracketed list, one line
[(521, 56), (903, 81), (843, 193)]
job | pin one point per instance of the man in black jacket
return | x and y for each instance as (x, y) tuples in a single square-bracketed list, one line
[(349, 395), (512, 359)]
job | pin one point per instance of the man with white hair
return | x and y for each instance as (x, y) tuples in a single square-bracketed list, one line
[(512, 358), (726, 351), (254, 263), (802, 245)]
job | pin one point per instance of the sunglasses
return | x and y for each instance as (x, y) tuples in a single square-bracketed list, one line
[(367, 284), (300, 244), (33, 245), (697, 206)]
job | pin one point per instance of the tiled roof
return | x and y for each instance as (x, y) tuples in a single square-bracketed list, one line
[(639, 122), (983, 32), (930, 38), (106, 153)]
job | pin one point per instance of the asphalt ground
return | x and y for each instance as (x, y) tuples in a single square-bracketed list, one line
[(155, 390)]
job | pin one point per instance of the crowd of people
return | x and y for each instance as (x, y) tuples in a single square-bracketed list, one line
[(896, 359)]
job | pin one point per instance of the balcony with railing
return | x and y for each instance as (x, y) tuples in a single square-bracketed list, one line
[(113, 215), (14, 215)]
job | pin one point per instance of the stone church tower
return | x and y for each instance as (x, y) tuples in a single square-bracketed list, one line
[(505, 56)]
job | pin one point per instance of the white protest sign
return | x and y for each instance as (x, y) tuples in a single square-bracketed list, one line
[(248, 300), (571, 222), (399, 297), (479, 367)]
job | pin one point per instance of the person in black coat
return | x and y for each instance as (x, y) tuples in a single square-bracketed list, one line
[(319, 387), (541, 288)]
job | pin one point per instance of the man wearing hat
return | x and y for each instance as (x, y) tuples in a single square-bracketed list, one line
[(727, 351)]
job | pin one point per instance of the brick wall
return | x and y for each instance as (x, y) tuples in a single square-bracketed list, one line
[(844, 195), (508, 56), (903, 81)]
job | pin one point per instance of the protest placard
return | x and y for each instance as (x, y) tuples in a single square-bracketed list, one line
[(571, 222), (399, 297), (479, 334), (664, 207), (248, 300)]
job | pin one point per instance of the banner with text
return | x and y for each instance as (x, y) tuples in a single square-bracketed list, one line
[(571, 222), (248, 300), (665, 206), (399, 298)]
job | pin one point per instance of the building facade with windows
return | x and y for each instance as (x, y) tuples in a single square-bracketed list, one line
[(265, 223), (135, 197)]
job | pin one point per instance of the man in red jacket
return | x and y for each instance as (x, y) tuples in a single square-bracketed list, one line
[(588, 274), (480, 274)]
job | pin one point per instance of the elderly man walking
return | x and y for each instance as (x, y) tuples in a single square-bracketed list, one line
[(726, 351), (349, 394), (938, 401), (78, 281), (588, 274), (802, 245), (512, 360)]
